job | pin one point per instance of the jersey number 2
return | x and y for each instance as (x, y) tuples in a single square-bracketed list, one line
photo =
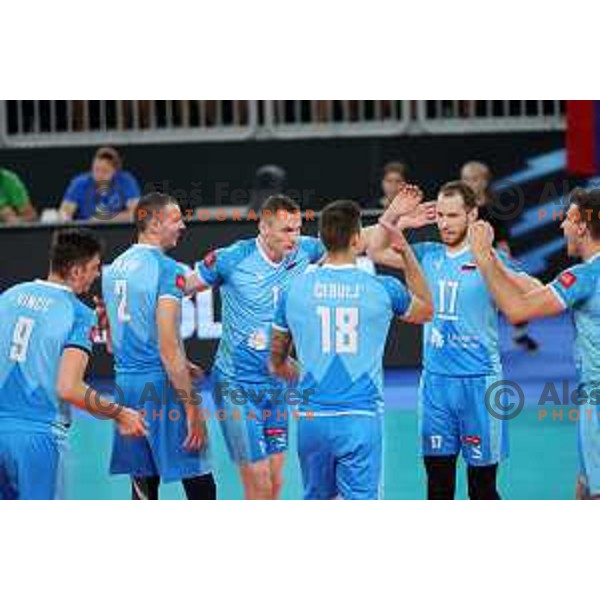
[(346, 329), (121, 293)]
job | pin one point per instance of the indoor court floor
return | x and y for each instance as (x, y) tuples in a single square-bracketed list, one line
[(542, 463)]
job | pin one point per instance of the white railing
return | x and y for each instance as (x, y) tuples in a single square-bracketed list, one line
[(30, 123), (336, 118), (83, 122), (479, 116)]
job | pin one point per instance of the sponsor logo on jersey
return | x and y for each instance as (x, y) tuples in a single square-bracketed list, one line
[(468, 267), (437, 338), (471, 440), (567, 279)]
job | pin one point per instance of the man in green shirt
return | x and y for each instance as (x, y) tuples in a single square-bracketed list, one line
[(15, 205)]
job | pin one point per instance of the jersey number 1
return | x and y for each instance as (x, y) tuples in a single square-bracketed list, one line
[(346, 329), (448, 297)]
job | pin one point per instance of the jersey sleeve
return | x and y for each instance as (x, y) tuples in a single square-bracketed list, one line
[(280, 321), (399, 295), (574, 285), (313, 247), (213, 268), (81, 333), (172, 279)]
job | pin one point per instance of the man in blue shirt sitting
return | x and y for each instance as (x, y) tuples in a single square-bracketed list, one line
[(107, 192)]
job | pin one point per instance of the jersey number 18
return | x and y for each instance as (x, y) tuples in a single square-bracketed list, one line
[(344, 338)]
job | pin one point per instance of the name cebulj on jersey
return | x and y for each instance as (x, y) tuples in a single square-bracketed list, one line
[(337, 291)]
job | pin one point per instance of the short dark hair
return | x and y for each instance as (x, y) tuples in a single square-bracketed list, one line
[(588, 203), (396, 167), (110, 155), (71, 247), (460, 188), (149, 207), (278, 202), (339, 221)]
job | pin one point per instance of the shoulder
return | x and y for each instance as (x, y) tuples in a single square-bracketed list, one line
[(389, 283), (81, 311), (9, 176), (582, 273), (238, 250), (125, 178), (312, 246), (81, 181), (428, 247)]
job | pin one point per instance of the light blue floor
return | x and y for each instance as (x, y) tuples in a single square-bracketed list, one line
[(543, 452)]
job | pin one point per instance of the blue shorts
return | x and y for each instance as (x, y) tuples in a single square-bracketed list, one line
[(30, 466), (588, 443), (453, 418), (253, 417), (341, 456), (161, 452)]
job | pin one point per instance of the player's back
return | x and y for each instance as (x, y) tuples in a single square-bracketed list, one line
[(38, 320), (339, 318), (131, 287)]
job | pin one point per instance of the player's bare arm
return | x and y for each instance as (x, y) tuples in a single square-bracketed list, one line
[(407, 211), (103, 322), (71, 387), (520, 299), (176, 364), (281, 364), (67, 210), (194, 284), (421, 306)]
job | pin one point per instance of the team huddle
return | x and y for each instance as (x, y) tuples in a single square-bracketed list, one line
[(302, 321)]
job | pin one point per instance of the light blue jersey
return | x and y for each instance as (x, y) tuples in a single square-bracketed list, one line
[(38, 320), (578, 289), (132, 286), (339, 318), (250, 284), (462, 338), (461, 360)]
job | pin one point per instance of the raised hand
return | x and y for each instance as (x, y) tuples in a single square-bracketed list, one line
[(481, 238), (424, 214), (405, 202)]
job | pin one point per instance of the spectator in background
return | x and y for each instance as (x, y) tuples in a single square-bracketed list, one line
[(15, 204), (478, 176), (105, 193), (394, 176)]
